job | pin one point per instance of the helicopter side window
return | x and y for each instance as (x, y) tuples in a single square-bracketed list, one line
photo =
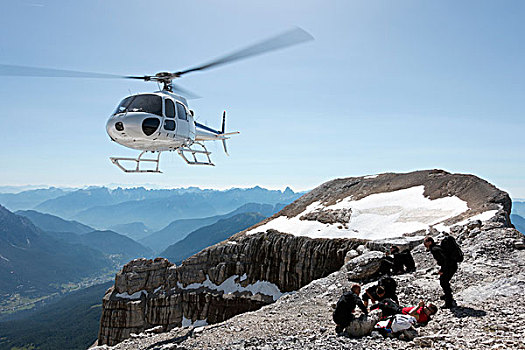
[(170, 109), (169, 124), (181, 111)]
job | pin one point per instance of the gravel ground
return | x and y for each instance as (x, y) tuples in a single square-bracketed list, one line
[(488, 287)]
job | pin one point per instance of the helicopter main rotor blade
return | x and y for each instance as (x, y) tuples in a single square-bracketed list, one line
[(289, 38), (184, 92), (26, 71)]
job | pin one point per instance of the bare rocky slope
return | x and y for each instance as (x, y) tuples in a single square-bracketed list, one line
[(194, 305)]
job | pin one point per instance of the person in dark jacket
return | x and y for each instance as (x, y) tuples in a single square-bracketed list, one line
[(402, 261), (389, 284), (374, 294), (345, 307), (397, 262), (388, 307), (448, 268)]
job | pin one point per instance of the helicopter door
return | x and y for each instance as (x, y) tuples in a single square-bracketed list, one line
[(183, 125)]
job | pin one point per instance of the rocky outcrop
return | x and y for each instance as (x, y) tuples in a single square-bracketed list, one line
[(256, 267), (480, 195), (488, 287), (239, 275)]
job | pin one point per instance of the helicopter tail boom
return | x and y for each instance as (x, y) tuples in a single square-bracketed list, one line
[(209, 134)]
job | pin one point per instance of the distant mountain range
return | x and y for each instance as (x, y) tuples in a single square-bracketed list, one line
[(72, 232), (34, 262), (48, 222), (518, 222), (179, 229), (119, 247), (518, 208), (30, 198), (134, 230), (210, 235), (103, 208), (37, 264)]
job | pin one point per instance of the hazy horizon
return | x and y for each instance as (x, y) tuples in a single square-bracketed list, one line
[(384, 87)]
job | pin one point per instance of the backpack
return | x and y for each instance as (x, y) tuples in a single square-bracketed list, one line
[(451, 249), (396, 323), (402, 322), (388, 307)]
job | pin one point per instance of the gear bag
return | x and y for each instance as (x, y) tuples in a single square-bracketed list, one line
[(451, 249)]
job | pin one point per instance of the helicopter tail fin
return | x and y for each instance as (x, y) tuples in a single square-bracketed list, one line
[(222, 132)]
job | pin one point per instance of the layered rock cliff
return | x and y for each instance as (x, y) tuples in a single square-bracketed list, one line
[(239, 275), (306, 241)]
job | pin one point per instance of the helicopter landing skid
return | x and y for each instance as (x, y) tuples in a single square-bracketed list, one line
[(185, 150), (138, 161)]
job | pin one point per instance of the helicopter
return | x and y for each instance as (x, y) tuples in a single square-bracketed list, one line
[(162, 121)]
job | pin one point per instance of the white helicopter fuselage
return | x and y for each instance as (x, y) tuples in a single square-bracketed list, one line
[(157, 122), (162, 122)]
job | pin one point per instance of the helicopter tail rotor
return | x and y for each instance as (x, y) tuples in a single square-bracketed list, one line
[(222, 132)]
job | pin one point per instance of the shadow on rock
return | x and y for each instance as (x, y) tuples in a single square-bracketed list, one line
[(461, 312)]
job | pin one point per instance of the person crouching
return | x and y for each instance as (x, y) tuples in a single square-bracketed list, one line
[(345, 307)]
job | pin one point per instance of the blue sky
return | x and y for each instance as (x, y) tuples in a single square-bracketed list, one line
[(387, 86)]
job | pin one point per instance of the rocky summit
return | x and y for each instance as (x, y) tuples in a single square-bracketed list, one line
[(274, 285)]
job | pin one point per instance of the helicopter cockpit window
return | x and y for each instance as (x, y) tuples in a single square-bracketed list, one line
[(181, 112), (169, 109), (141, 103)]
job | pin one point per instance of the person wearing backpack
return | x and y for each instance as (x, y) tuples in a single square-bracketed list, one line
[(345, 307), (448, 262)]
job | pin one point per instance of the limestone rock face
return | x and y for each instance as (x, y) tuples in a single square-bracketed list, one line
[(256, 267), (489, 288), (239, 275)]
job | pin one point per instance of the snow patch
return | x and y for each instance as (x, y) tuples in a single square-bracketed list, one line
[(230, 286), (135, 295), (370, 176), (186, 322), (486, 215), (382, 215)]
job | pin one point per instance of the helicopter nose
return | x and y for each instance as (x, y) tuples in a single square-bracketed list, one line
[(133, 125)]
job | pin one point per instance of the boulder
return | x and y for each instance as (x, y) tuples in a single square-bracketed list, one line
[(364, 266)]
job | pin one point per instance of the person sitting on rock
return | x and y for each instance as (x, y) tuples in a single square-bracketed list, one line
[(421, 312), (403, 261), (397, 262), (345, 307)]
